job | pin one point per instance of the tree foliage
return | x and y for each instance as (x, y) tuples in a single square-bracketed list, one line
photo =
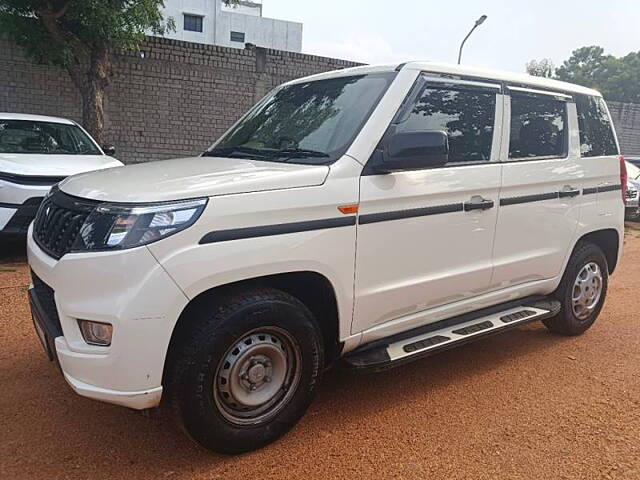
[(62, 32), (615, 77), (80, 36), (543, 68)]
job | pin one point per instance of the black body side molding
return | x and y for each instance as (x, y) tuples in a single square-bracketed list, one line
[(279, 229)]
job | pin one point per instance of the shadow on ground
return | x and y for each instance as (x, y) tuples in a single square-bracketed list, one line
[(13, 250)]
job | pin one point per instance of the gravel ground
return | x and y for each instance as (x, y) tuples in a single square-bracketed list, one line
[(525, 404)]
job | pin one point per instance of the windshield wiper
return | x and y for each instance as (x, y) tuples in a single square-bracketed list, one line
[(236, 151), (300, 153), (284, 154)]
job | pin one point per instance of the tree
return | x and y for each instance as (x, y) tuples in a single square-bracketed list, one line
[(586, 66), (81, 36), (543, 68), (616, 78)]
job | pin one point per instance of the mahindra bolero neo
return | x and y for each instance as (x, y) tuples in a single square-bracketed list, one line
[(373, 215)]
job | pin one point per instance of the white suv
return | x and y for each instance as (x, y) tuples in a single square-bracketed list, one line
[(375, 215), (37, 152)]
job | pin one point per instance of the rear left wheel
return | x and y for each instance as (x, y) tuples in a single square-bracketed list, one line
[(582, 291)]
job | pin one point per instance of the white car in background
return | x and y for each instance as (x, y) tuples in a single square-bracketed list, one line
[(36, 152), (632, 210)]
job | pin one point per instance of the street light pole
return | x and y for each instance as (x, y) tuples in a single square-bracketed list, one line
[(479, 22)]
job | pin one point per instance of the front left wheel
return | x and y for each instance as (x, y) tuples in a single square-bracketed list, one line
[(246, 372)]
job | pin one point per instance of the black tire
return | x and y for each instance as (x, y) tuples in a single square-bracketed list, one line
[(633, 216), (566, 322), (196, 362)]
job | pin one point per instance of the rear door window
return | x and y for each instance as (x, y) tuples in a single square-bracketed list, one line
[(538, 126), (596, 132)]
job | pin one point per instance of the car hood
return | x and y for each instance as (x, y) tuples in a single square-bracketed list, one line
[(183, 178), (53, 165)]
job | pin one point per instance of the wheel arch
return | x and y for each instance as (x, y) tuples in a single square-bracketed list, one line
[(312, 288), (608, 240)]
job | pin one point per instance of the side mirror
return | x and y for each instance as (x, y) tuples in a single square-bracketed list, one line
[(109, 150), (415, 151)]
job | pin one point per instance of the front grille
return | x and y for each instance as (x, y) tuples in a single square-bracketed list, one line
[(58, 222), (45, 295), (632, 193)]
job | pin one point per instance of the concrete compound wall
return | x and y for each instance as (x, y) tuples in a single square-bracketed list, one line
[(175, 98), (172, 99)]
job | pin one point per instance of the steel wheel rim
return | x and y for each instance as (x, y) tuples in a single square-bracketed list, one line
[(587, 290), (257, 376)]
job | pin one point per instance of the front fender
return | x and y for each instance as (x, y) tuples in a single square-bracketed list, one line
[(329, 253)]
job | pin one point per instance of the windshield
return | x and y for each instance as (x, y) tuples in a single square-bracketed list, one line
[(27, 136), (311, 123)]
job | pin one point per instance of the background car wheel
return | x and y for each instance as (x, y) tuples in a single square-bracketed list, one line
[(632, 216), (245, 373), (582, 291)]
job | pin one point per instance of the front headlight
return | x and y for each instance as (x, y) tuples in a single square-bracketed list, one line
[(113, 226)]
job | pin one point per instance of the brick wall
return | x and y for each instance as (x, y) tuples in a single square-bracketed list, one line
[(181, 96), (626, 117), (172, 100)]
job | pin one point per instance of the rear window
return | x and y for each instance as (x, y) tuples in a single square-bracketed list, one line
[(538, 126), (596, 133)]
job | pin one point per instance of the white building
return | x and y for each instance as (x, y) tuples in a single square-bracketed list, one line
[(213, 22)]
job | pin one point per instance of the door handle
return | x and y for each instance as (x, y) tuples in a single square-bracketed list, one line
[(478, 203), (568, 191)]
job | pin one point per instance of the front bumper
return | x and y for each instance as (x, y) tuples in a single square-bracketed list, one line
[(140, 400), (128, 289), (18, 206), (15, 219)]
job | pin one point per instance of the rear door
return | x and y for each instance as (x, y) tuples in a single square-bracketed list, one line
[(599, 151), (420, 242), (541, 185)]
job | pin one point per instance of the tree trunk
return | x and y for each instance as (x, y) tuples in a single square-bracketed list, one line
[(92, 82), (93, 109), (92, 91)]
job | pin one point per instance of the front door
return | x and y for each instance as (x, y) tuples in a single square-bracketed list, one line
[(423, 240)]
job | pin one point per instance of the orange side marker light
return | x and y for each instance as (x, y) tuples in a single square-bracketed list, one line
[(348, 209)]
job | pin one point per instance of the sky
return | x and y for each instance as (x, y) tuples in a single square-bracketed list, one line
[(515, 32)]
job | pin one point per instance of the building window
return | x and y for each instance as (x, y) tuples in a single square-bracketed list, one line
[(237, 37), (193, 23)]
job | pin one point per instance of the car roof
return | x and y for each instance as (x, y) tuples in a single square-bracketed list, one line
[(459, 70), (34, 118)]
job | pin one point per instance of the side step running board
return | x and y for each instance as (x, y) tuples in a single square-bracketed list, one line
[(448, 334)]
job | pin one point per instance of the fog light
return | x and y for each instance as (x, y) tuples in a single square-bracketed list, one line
[(96, 333)]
